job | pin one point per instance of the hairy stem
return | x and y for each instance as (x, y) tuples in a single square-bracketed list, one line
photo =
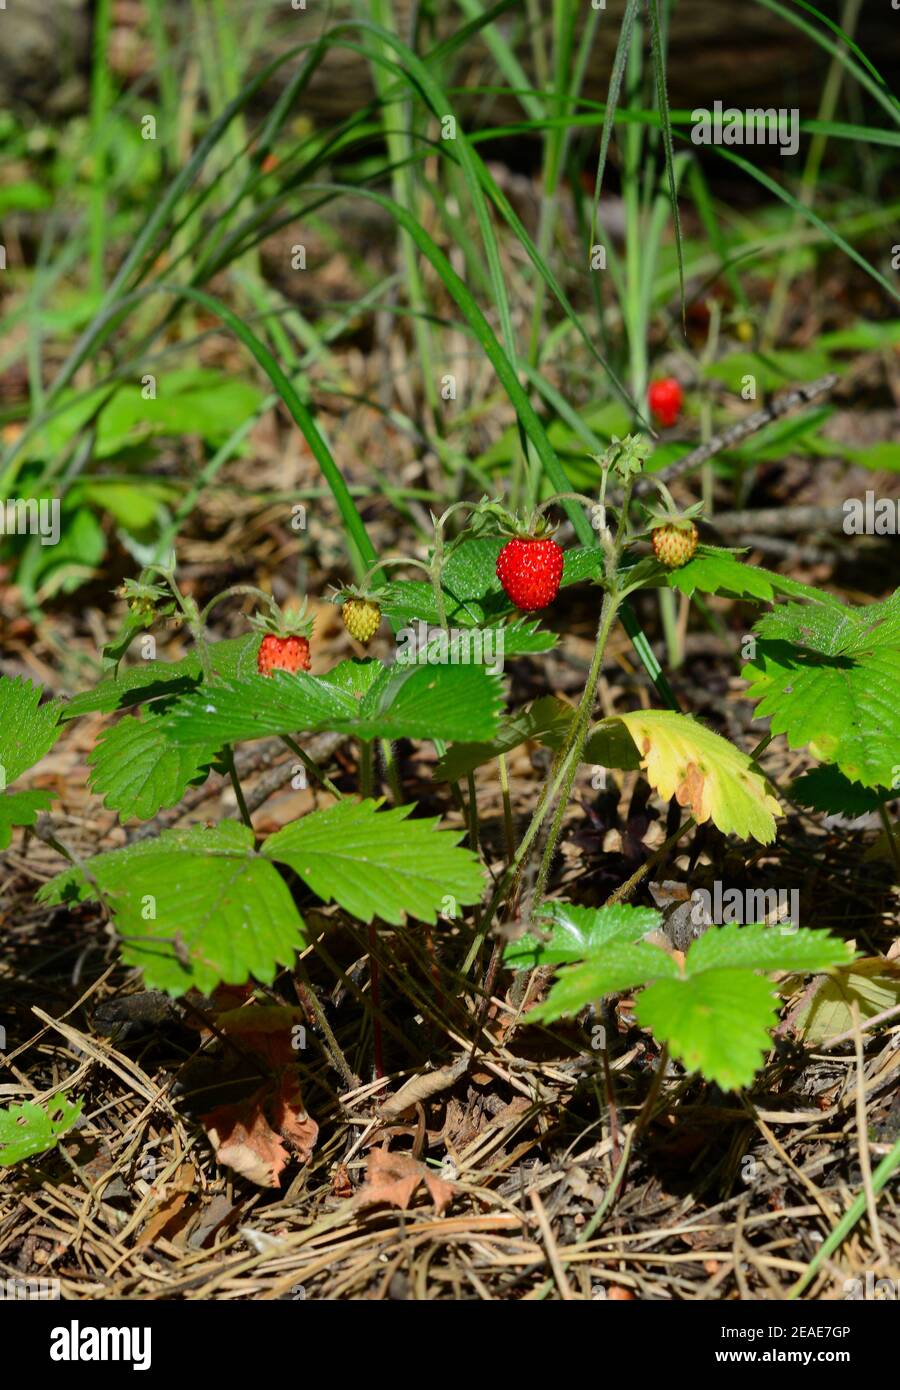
[(577, 738)]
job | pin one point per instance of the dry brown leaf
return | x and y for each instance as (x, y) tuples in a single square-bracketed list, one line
[(167, 1218), (244, 1140), (423, 1087), (393, 1179), (292, 1120), (341, 1185)]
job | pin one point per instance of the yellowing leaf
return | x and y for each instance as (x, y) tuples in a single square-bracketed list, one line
[(872, 983), (703, 771)]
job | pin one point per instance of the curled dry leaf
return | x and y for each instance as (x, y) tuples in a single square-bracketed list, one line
[(393, 1179), (292, 1120), (244, 1139)]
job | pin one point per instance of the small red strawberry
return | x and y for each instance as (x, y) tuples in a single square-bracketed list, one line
[(665, 398), (282, 654), (530, 571), (674, 544), (285, 643)]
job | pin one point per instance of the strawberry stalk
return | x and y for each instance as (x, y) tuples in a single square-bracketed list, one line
[(375, 980), (568, 758), (365, 789), (577, 738), (574, 745)]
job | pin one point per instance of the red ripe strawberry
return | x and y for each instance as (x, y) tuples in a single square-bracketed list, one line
[(282, 654), (285, 643), (530, 571), (665, 399)]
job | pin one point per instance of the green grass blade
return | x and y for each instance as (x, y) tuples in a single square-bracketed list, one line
[(866, 75), (612, 101), (885, 1170), (363, 549), (662, 98)]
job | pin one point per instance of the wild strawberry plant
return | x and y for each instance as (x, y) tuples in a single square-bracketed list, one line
[(217, 904)]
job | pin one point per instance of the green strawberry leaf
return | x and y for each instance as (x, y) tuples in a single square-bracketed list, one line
[(194, 907), (834, 629), (138, 771), (621, 965), (423, 702), (30, 1128), (714, 1015), (20, 808), (826, 789), (827, 677), (717, 1024), (28, 729), (574, 933), (155, 679), (714, 570), (760, 947), (379, 863), (546, 718)]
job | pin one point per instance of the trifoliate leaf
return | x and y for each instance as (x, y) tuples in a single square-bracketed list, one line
[(714, 1014), (379, 863), (194, 907), (704, 772), (138, 770), (28, 729), (425, 702), (576, 933), (620, 965), (20, 808), (716, 1022), (30, 1128)]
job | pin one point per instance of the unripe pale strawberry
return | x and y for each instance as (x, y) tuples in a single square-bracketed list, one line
[(673, 545), (361, 618)]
